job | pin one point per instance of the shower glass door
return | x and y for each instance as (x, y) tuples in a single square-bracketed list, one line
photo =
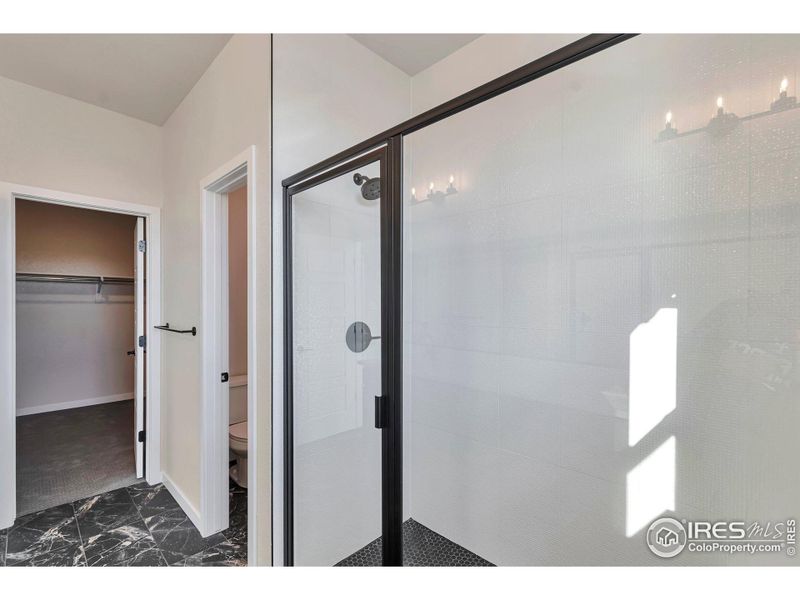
[(335, 351)]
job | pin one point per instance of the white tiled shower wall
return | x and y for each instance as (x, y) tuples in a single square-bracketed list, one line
[(571, 229)]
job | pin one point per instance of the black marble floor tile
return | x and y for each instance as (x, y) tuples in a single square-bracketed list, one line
[(125, 546), (237, 502), (141, 525), (40, 533), (237, 535), (177, 537), (151, 500), (224, 554), (104, 512), (422, 547), (237, 523), (66, 556)]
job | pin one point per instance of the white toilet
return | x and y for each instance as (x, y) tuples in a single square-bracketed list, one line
[(237, 434)]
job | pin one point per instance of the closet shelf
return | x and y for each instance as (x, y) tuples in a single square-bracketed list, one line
[(97, 280)]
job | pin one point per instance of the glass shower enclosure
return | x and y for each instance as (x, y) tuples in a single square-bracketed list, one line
[(577, 301)]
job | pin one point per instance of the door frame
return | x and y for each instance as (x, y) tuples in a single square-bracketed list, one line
[(139, 352), (9, 192), (214, 514), (390, 158)]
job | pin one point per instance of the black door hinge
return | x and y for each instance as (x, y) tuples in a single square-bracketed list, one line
[(224, 378), (381, 412), (142, 341), (141, 436)]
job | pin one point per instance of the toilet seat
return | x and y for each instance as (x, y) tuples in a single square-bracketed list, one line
[(238, 431)]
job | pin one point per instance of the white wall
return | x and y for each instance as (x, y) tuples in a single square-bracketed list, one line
[(329, 92), (71, 341), (237, 281), (605, 328), (483, 59), (237, 304), (51, 141), (209, 128)]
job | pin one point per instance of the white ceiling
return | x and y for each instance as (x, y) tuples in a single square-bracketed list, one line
[(414, 52), (142, 76)]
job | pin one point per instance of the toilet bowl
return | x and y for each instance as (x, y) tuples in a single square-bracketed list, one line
[(237, 435)]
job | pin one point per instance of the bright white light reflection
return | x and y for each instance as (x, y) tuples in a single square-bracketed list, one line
[(653, 373), (650, 488)]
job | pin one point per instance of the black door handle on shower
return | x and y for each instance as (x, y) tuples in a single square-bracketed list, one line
[(381, 412)]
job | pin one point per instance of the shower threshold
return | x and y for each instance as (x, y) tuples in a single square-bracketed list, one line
[(422, 547)]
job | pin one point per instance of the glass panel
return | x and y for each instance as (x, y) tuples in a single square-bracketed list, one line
[(337, 368), (603, 311)]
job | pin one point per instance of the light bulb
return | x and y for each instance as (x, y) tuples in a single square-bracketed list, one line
[(719, 102), (452, 179), (669, 117), (784, 85), (430, 187), (413, 191)]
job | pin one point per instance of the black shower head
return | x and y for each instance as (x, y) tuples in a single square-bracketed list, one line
[(370, 187)]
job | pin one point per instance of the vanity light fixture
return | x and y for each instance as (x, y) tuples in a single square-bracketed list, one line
[(433, 194), (669, 130), (724, 122), (784, 101)]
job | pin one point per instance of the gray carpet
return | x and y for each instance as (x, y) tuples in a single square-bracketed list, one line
[(68, 455)]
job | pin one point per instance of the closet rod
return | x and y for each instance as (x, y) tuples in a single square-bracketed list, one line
[(75, 279)]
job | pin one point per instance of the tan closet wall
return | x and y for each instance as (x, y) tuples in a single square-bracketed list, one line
[(72, 341)]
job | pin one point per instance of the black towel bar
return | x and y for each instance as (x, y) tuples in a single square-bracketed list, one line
[(166, 327)]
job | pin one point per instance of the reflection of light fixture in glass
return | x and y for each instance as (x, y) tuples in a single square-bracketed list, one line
[(669, 130), (413, 193), (434, 194), (451, 188), (431, 193), (723, 122), (784, 101)]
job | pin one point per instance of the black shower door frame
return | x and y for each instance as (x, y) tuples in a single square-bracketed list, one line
[(389, 157), (388, 148)]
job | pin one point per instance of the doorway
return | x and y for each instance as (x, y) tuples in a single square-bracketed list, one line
[(80, 323), (228, 476), (105, 290)]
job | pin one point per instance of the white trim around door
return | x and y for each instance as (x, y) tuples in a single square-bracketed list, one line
[(9, 192), (215, 408)]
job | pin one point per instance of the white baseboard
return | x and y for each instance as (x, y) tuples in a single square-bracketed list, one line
[(180, 498), (43, 408)]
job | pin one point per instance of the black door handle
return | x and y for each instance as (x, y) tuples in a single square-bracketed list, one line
[(131, 352)]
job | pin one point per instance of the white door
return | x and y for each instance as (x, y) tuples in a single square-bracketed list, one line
[(139, 345)]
